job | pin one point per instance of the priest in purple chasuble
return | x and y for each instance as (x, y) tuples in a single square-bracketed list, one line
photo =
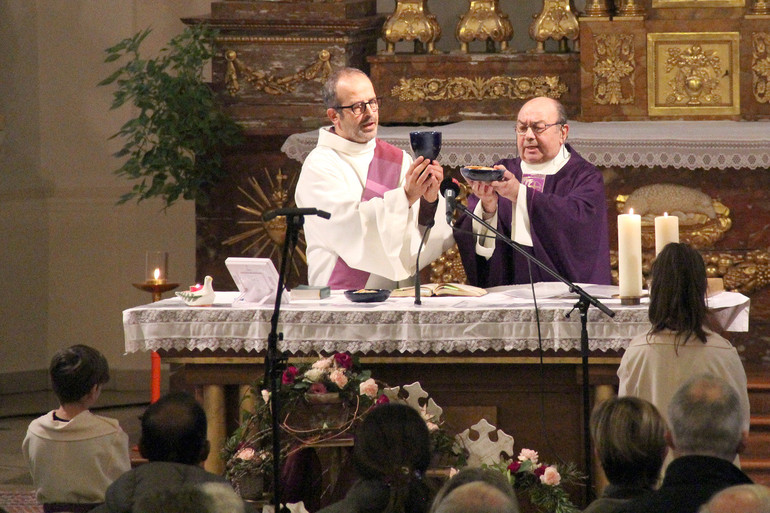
[(380, 201), (550, 200)]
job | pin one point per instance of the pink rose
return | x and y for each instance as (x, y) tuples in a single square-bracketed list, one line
[(528, 454), (338, 378), (317, 388), (539, 471), (343, 360), (323, 364), (383, 399), (369, 388), (289, 375), (550, 476), (266, 395), (514, 466), (246, 454)]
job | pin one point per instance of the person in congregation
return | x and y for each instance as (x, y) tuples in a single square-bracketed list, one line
[(72, 437), (473, 475), (477, 497), (391, 452), (174, 441), (705, 434), (202, 498), (550, 201), (380, 201), (628, 435), (745, 498), (680, 343)]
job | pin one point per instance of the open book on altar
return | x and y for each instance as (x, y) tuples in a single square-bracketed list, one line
[(440, 289)]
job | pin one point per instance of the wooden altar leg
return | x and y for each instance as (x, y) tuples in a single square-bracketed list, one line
[(601, 393), (214, 406)]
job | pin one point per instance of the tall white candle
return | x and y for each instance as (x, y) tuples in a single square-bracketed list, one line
[(666, 231), (630, 254)]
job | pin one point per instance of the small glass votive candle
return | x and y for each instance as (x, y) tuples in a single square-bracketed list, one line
[(156, 267)]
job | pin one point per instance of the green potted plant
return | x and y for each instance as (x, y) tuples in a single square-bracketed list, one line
[(175, 145)]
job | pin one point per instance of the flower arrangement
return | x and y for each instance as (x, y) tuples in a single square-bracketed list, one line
[(319, 401), (539, 482)]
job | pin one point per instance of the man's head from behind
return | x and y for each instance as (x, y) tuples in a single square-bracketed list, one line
[(746, 498), (706, 419), (351, 105), (75, 371), (628, 434), (174, 430), (477, 497), (541, 129)]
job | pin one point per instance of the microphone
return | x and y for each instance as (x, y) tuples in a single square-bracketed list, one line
[(450, 189), (295, 212)]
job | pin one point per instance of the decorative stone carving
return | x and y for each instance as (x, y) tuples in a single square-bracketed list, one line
[(263, 81), (477, 88), (482, 449), (484, 21), (614, 68), (760, 66), (417, 398), (411, 21)]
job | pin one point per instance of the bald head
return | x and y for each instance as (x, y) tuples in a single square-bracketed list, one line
[(477, 497), (748, 498), (542, 147)]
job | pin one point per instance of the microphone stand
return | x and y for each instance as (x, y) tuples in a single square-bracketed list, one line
[(417, 274), (275, 361), (585, 301)]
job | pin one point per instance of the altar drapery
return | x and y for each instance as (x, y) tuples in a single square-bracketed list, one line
[(677, 144)]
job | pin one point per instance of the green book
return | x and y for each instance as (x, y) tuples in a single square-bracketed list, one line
[(310, 292)]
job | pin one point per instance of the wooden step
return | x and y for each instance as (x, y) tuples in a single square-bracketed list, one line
[(759, 395), (757, 469)]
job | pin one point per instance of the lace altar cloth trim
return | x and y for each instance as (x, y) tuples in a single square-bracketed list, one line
[(677, 144), (397, 326)]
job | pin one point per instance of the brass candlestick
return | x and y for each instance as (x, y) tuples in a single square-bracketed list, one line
[(156, 287)]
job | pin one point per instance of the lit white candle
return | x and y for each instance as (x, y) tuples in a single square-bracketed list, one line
[(630, 254), (666, 231), (156, 275)]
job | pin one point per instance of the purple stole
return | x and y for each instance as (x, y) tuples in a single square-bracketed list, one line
[(383, 175)]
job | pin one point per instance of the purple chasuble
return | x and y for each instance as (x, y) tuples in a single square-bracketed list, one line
[(568, 221), (383, 175)]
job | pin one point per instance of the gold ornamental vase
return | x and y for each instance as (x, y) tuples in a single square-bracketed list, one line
[(411, 21), (484, 21)]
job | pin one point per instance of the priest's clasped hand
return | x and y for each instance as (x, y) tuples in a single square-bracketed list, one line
[(488, 192), (423, 180)]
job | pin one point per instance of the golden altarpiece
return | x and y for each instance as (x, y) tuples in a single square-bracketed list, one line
[(638, 61)]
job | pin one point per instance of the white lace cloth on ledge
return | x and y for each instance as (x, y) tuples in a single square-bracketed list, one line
[(500, 321), (677, 144)]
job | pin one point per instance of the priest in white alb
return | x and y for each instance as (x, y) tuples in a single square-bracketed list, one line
[(381, 201)]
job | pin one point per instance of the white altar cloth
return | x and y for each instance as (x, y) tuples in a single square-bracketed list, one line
[(677, 144), (499, 321)]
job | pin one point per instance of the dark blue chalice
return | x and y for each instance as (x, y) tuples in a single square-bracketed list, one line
[(425, 144)]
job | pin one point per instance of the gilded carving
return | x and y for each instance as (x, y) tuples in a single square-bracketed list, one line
[(266, 238), (477, 88), (696, 75), (760, 66), (484, 21), (702, 220), (614, 66), (556, 21), (263, 81), (693, 73), (411, 21), (744, 272)]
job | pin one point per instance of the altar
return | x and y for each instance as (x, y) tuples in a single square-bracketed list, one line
[(477, 357)]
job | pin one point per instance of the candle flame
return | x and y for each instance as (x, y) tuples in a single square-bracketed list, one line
[(156, 274), (665, 214), (631, 211)]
